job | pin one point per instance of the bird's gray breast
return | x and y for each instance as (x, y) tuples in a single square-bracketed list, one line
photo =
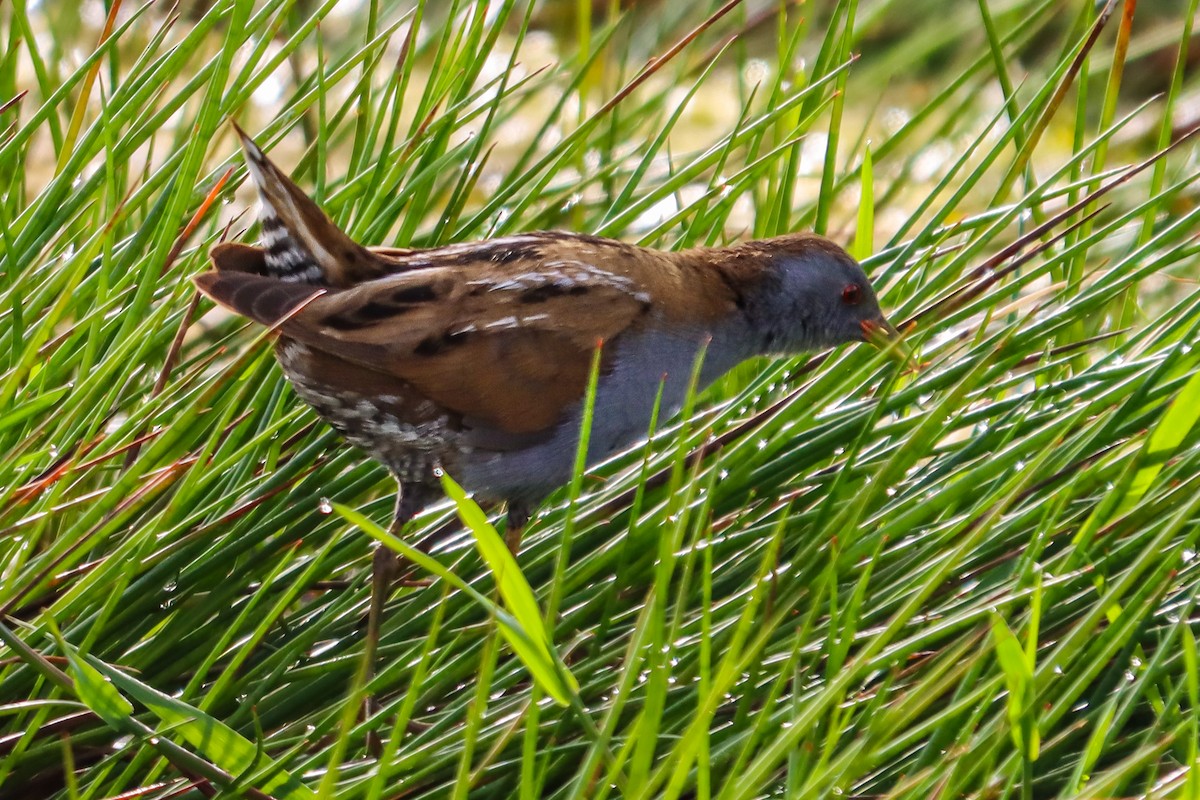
[(625, 398)]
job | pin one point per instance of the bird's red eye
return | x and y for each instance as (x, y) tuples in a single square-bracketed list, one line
[(852, 294)]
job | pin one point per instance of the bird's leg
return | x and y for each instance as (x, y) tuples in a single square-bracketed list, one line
[(519, 512), (385, 565)]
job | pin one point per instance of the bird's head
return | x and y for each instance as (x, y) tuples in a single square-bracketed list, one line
[(811, 294)]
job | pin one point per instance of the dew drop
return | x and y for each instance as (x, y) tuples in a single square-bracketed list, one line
[(324, 506)]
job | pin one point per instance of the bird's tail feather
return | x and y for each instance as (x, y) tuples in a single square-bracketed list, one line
[(299, 242)]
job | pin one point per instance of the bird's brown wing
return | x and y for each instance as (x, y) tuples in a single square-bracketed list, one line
[(507, 346)]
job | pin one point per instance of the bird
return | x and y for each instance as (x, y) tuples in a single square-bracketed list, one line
[(475, 357)]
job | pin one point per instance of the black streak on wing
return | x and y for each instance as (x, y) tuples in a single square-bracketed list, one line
[(414, 294), (541, 294), (432, 345), (373, 312)]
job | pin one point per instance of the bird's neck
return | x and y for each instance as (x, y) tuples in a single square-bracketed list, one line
[(731, 343), (732, 279)]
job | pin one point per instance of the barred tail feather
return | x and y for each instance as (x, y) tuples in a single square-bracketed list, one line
[(299, 241), (262, 298), (283, 256)]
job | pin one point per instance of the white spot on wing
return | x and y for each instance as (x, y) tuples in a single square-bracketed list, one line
[(504, 322), (562, 274)]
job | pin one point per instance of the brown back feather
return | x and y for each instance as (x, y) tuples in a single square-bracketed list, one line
[(504, 348)]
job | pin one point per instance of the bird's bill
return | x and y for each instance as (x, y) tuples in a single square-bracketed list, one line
[(883, 335), (877, 328)]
